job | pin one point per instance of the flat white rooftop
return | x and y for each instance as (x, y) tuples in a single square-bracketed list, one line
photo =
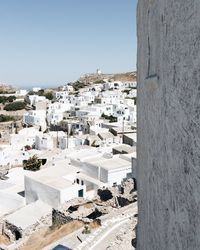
[(110, 164), (124, 147), (15, 181), (29, 215), (10, 202), (57, 177), (132, 136)]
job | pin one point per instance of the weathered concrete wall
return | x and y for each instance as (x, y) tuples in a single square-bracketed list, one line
[(168, 125)]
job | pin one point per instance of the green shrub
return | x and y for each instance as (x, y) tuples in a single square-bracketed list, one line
[(4, 99), (86, 230), (49, 95), (111, 118), (6, 118), (11, 98), (32, 164), (78, 85), (15, 106), (99, 81), (41, 92)]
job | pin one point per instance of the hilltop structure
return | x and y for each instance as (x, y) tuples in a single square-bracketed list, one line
[(168, 125)]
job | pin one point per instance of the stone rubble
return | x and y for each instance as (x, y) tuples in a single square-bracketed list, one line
[(124, 238)]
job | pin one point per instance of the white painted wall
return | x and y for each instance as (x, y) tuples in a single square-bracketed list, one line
[(36, 190), (117, 175)]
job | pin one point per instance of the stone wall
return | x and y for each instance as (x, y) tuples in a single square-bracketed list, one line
[(15, 233), (168, 125), (60, 217)]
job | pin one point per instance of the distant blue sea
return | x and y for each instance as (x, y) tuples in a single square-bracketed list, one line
[(43, 86)]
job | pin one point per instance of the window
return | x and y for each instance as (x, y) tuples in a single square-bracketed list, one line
[(82, 182), (77, 180)]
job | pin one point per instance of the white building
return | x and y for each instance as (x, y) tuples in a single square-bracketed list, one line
[(33, 99), (12, 157), (25, 136), (69, 174), (21, 92), (49, 141), (70, 142), (61, 95), (56, 110), (44, 142), (112, 97), (35, 118), (36, 89), (54, 185), (109, 171), (113, 85), (68, 88)]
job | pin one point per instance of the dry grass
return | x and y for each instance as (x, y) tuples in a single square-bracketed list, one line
[(87, 205), (4, 240), (47, 236)]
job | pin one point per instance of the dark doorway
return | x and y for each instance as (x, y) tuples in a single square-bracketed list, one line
[(80, 193), (17, 235)]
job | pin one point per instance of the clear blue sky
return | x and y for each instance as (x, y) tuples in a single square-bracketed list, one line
[(55, 41)]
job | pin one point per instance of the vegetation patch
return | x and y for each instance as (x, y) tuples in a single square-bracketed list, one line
[(15, 106), (78, 85), (41, 92), (4, 99), (32, 164), (111, 118), (6, 118)]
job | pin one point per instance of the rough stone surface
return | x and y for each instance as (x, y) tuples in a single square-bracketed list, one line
[(121, 195), (168, 142), (123, 238), (59, 218)]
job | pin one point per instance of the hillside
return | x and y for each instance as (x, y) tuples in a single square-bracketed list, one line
[(89, 78), (5, 88)]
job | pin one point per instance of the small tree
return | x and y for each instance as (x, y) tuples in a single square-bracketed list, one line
[(49, 95), (32, 164), (86, 229)]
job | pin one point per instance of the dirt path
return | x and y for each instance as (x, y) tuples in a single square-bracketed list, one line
[(46, 236), (4, 240)]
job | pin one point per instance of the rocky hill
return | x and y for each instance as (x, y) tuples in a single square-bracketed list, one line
[(92, 78), (6, 88)]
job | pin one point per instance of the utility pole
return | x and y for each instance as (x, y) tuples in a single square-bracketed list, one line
[(123, 129), (67, 135), (56, 129)]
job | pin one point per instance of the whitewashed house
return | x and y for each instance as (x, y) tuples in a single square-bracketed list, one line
[(61, 95), (25, 136), (44, 142), (69, 142), (112, 97), (35, 118), (68, 87), (55, 112), (36, 89), (33, 99), (21, 92), (54, 185)]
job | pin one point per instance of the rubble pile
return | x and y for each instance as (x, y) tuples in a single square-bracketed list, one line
[(118, 196), (79, 209), (125, 238)]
